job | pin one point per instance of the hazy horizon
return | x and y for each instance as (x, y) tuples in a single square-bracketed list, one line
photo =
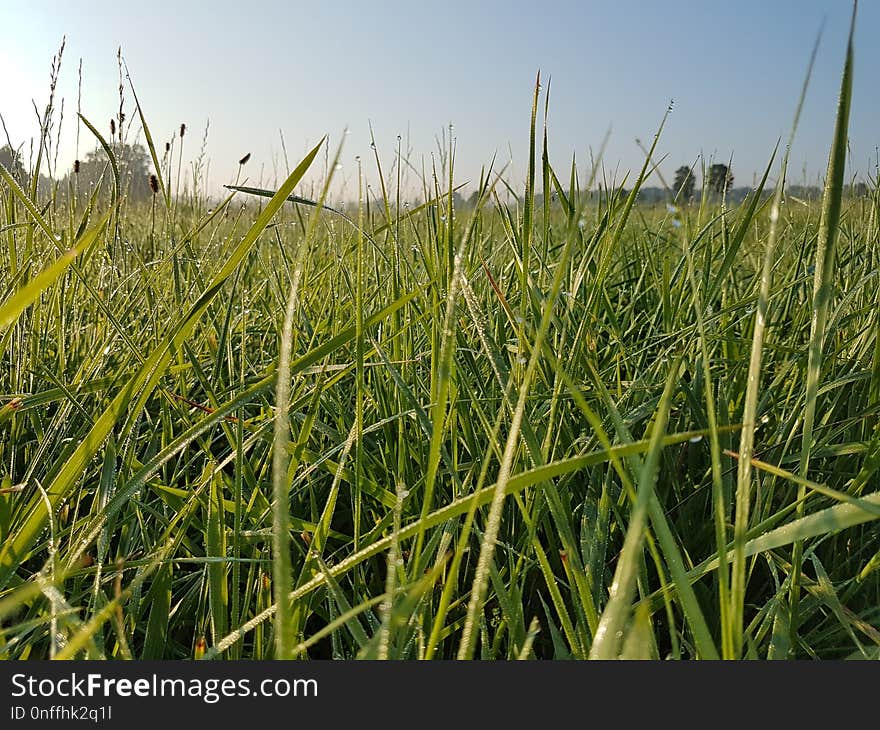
[(251, 75)]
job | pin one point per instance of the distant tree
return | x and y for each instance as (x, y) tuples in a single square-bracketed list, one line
[(683, 187), (11, 160), (720, 178), (134, 171), (859, 189)]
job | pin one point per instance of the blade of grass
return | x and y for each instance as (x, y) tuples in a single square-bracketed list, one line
[(734, 630), (606, 642), (823, 289)]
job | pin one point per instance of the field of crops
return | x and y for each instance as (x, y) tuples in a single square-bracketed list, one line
[(512, 426)]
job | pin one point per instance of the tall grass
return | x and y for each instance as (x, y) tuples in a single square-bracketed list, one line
[(283, 427)]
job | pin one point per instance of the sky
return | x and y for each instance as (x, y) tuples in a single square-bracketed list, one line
[(257, 72)]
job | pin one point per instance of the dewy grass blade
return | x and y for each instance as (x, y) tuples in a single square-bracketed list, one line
[(528, 209), (215, 544), (160, 178), (734, 629), (606, 642), (439, 407), (823, 288), (281, 565), (114, 165), (27, 294)]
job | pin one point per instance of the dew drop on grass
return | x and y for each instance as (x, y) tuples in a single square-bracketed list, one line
[(676, 223), (337, 166), (582, 223), (522, 360), (695, 439), (671, 208)]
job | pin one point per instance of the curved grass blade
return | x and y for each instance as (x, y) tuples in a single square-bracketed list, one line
[(734, 629), (823, 288), (281, 567), (606, 642), (149, 138), (28, 294), (110, 155)]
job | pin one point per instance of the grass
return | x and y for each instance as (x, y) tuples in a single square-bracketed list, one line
[(511, 429)]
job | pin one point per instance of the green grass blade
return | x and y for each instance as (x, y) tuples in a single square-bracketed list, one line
[(606, 642), (30, 292), (734, 629), (160, 178), (823, 287)]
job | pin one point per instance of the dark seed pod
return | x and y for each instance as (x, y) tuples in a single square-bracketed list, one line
[(76, 167), (154, 184), (182, 130), (244, 159), (112, 127)]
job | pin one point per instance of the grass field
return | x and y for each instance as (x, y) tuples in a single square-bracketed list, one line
[(581, 427)]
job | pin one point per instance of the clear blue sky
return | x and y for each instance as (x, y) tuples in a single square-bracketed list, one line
[(734, 70)]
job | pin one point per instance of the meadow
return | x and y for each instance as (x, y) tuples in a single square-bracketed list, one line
[(512, 427)]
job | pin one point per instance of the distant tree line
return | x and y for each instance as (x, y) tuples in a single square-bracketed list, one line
[(11, 160), (94, 170), (134, 165)]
